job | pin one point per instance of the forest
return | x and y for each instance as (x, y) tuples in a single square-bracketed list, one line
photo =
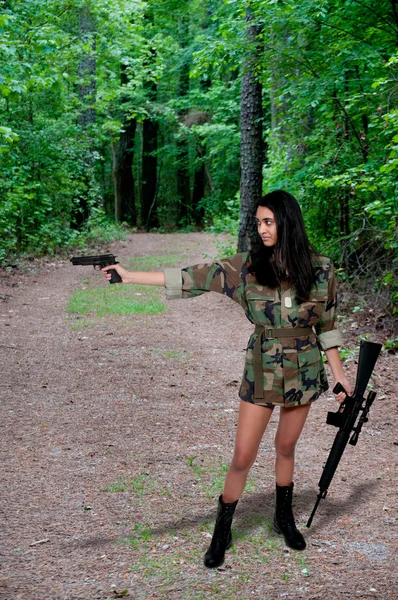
[(176, 115)]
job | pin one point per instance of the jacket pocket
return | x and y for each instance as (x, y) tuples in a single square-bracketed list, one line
[(308, 356), (261, 307)]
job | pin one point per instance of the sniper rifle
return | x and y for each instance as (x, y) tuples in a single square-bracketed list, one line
[(346, 417)]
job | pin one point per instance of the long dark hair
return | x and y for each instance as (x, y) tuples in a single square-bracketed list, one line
[(291, 257)]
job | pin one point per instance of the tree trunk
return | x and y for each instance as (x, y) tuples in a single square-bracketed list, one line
[(344, 194), (122, 154), (344, 229), (149, 174), (198, 194), (150, 129), (87, 68), (183, 178), (251, 146), (280, 139), (86, 92)]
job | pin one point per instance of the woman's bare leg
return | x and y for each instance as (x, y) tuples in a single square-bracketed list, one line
[(252, 422), (291, 423)]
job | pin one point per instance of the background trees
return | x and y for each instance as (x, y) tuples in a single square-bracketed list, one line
[(132, 111)]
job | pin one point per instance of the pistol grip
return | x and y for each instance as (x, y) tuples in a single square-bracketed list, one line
[(115, 277), (338, 388)]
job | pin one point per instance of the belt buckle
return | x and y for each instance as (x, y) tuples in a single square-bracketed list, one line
[(269, 333)]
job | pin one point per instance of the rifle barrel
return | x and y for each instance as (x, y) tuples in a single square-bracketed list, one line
[(319, 497)]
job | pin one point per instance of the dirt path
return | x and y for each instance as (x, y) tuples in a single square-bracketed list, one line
[(115, 438)]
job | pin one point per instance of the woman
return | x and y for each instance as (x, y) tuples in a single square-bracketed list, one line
[(289, 293)]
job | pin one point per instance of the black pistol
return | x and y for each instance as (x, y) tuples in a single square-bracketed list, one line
[(99, 262), (346, 417)]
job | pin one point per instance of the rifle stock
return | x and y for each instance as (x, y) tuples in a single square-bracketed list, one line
[(368, 355), (346, 417)]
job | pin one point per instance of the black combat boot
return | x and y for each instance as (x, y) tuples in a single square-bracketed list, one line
[(284, 519), (222, 538)]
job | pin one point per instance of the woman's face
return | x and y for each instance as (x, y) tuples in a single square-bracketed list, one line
[(266, 226)]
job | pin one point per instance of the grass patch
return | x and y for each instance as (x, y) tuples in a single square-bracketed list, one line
[(174, 354), (211, 479), (148, 263), (81, 323), (302, 564), (140, 537), (140, 485), (217, 480), (160, 557), (256, 530), (119, 300)]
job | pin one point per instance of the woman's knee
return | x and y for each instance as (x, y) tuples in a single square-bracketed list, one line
[(285, 448), (242, 460)]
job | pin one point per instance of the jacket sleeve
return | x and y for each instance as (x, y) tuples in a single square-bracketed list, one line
[(328, 335), (223, 276)]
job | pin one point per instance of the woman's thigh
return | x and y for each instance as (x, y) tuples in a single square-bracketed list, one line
[(252, 422), (291, 423)]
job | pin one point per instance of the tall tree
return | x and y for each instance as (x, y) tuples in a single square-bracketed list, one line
[(251, 146), (87, 66), (122, 160), (183, 162), (149, 180), (87, 116)]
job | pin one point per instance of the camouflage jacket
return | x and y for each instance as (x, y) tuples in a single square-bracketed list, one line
[(283, 365)]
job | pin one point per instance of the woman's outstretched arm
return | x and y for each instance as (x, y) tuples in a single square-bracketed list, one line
[(137, 277)]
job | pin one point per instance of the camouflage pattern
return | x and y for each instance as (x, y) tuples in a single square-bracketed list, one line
[(292, 368)]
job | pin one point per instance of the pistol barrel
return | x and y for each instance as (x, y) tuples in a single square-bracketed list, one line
[(106, 259)]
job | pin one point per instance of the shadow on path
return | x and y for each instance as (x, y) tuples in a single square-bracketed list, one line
[(252, 512)]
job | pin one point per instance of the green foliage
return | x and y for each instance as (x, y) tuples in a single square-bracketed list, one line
[(391, 345), (332, 137), (227, 219), (328, 70), (50, 184)]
